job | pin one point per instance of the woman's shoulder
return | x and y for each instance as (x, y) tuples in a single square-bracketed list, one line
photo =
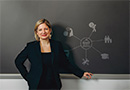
[(55, 41), (32, 42), (51, 40)]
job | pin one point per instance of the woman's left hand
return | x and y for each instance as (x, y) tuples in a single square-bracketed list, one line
[(87, 75)]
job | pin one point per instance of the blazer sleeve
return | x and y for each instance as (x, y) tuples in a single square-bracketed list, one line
[(64, 62), (19, 61)]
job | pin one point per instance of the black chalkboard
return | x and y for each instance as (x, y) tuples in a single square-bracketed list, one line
[(94, 34)]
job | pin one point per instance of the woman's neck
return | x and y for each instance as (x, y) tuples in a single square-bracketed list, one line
[(44, 42)]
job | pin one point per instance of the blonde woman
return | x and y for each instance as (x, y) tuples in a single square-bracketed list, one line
[(46, 57)]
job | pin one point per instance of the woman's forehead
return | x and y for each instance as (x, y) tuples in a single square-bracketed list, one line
[(43, 25)]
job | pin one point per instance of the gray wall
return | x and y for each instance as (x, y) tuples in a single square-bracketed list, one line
[(111, 18), (72, 84)]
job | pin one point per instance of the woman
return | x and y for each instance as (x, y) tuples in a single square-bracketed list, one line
[(46, 57)]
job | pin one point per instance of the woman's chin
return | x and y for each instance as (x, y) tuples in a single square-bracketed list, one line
[(44, 38)]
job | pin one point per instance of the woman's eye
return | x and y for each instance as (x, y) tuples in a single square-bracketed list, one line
[(40, 29), (46, 28)]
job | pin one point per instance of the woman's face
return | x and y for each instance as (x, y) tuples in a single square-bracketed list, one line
[(43, 31)]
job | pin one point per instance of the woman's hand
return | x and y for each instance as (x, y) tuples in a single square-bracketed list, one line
[(87, 75)]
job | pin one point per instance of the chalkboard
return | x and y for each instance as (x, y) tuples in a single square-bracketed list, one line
[(94, 34)]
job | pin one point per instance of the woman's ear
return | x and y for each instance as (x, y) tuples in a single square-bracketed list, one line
[(50, 30)]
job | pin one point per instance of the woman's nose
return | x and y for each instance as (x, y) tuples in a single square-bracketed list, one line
[(43, 31)]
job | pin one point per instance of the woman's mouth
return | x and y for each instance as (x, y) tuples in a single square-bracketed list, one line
[(44, 35)]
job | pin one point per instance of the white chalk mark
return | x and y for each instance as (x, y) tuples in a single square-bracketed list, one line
[(98, 40), (76, 37), (74, 48), (96, 50)]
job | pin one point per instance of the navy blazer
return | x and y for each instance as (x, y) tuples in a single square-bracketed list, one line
[(32, 52)]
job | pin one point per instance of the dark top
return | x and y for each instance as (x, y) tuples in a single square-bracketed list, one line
[(32, 52), (47, 80)]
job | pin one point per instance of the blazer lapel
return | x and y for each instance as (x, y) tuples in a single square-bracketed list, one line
[(52, 50), (38, 51)]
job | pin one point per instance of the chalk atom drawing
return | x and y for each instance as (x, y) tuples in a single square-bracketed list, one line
[(86, 42)]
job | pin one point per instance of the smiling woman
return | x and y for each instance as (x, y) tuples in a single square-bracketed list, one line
[(43, 31), (47, 57), (42, 28)]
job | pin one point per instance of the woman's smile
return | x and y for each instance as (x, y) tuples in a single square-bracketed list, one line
[(44, 35), (43, 31)]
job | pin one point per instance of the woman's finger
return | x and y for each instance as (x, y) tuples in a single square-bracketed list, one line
[(89, 76)]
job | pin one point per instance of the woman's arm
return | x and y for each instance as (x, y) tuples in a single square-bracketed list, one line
[(19, 61), (64, 62)]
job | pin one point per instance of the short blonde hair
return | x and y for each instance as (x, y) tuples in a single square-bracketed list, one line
[(39, 22)]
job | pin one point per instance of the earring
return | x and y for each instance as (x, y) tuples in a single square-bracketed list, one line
[(50, 35)]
